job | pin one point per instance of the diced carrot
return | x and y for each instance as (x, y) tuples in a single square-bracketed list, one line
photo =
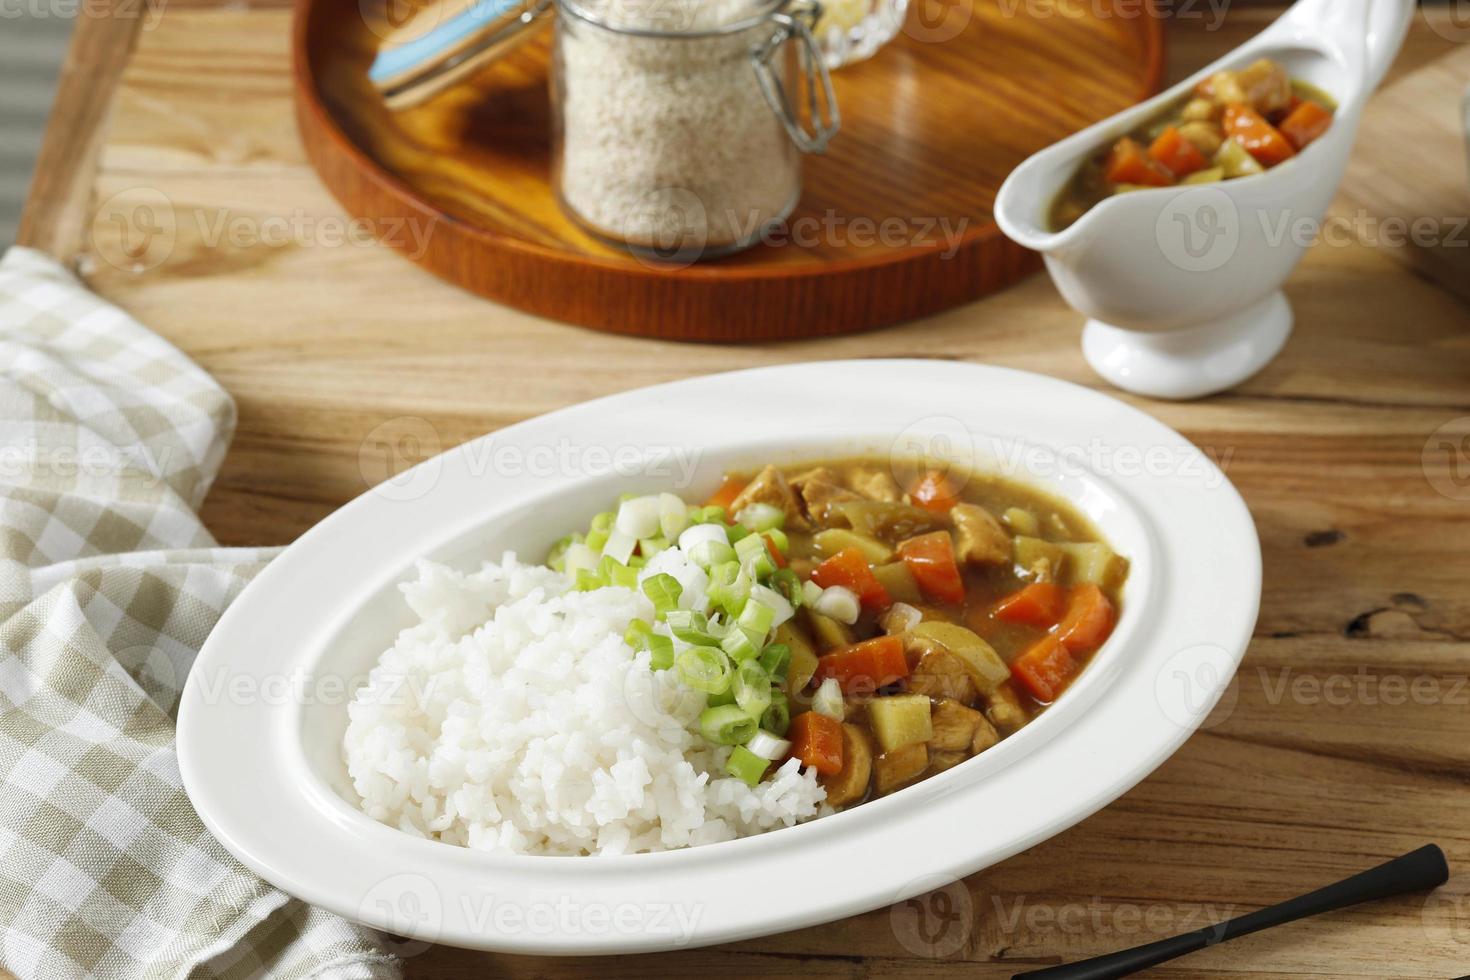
[(865, 667), (1176, 152), (1305, 123), (849, 569), (1261, 139), (1044, 668), (1039, 604), (1286, 110), (730, 488), (930, 558), (776, 555), (817, 741), (1088, 620), (1129, 164), (933, 491)]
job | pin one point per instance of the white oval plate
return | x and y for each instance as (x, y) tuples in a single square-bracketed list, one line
[(264, 709)]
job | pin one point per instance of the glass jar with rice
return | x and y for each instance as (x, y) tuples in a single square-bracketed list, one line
[(676, 132)]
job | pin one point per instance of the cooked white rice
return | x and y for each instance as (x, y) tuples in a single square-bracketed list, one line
[(514, 718)]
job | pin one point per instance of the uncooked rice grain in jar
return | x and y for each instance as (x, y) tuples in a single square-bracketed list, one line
[(670, 141)]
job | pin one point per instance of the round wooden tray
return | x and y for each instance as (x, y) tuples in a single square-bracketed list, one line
[(930, 129)]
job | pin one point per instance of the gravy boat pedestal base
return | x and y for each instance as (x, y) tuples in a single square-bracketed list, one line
[(1189, 363)]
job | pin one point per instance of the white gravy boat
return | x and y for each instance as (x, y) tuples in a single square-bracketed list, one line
[(1182, 285)]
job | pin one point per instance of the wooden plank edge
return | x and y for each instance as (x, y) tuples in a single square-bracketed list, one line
[(58, 209)]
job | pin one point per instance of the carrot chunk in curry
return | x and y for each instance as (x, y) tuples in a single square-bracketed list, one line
[(1235, 124)]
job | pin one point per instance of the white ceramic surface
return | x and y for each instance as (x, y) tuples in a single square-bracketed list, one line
[(263, 712), (1182, 284)]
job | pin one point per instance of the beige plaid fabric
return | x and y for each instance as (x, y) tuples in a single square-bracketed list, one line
[(109, 438)]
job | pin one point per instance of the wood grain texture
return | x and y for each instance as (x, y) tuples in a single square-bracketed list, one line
[(930, 130), (57, 211), (1407, 188), (332, 347)]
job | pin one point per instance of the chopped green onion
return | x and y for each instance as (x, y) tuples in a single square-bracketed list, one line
[(777, 717), (742, 644), (707, 554), (746, 766), (673, 516), (788, 583), (637, 562), (752, 688), (828, 699), (737, 533), (660, 651), (596, 539), (704, 669), (768, 746), (578, 557), (663, 590), (761, 517), (588, 580), (810, 593), (640, 636), (726, 696), (615, 573), (779, 539), (707, 515), (774, 659), (726, 725), (604, 521), (757, 617), (637, 634), (728, 588), (839, 603), (780, 609), (697, 534), (648, 547), (619, 546), (691, 627), (754, 557), (556, 557), (639, 517)]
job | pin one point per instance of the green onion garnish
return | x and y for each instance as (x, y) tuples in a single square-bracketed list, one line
[(556, 558), (704, 669), (774, 658), (752, 688), (660, 651), (691, 627), (726, 725), (761, 517), (788, 583), (757, 617), (746, 766), (616, 573), (707, 554), (777, 716), (663, 590), (742, 644), (637, 634)]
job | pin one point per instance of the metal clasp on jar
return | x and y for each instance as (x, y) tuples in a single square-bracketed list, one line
[(796, 23)]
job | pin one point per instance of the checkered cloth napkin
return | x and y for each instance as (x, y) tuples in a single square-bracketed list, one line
[(109, 438)]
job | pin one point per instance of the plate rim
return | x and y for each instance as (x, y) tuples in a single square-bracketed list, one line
[(259, 850)]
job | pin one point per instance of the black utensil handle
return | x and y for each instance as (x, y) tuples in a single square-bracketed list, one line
[(1415, 871)]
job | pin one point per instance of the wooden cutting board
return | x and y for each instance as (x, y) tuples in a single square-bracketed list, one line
[(1407, 189)]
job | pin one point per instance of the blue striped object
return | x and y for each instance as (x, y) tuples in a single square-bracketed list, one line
[(428, 48)]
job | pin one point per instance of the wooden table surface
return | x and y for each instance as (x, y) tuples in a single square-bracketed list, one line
[(1345, 739)]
